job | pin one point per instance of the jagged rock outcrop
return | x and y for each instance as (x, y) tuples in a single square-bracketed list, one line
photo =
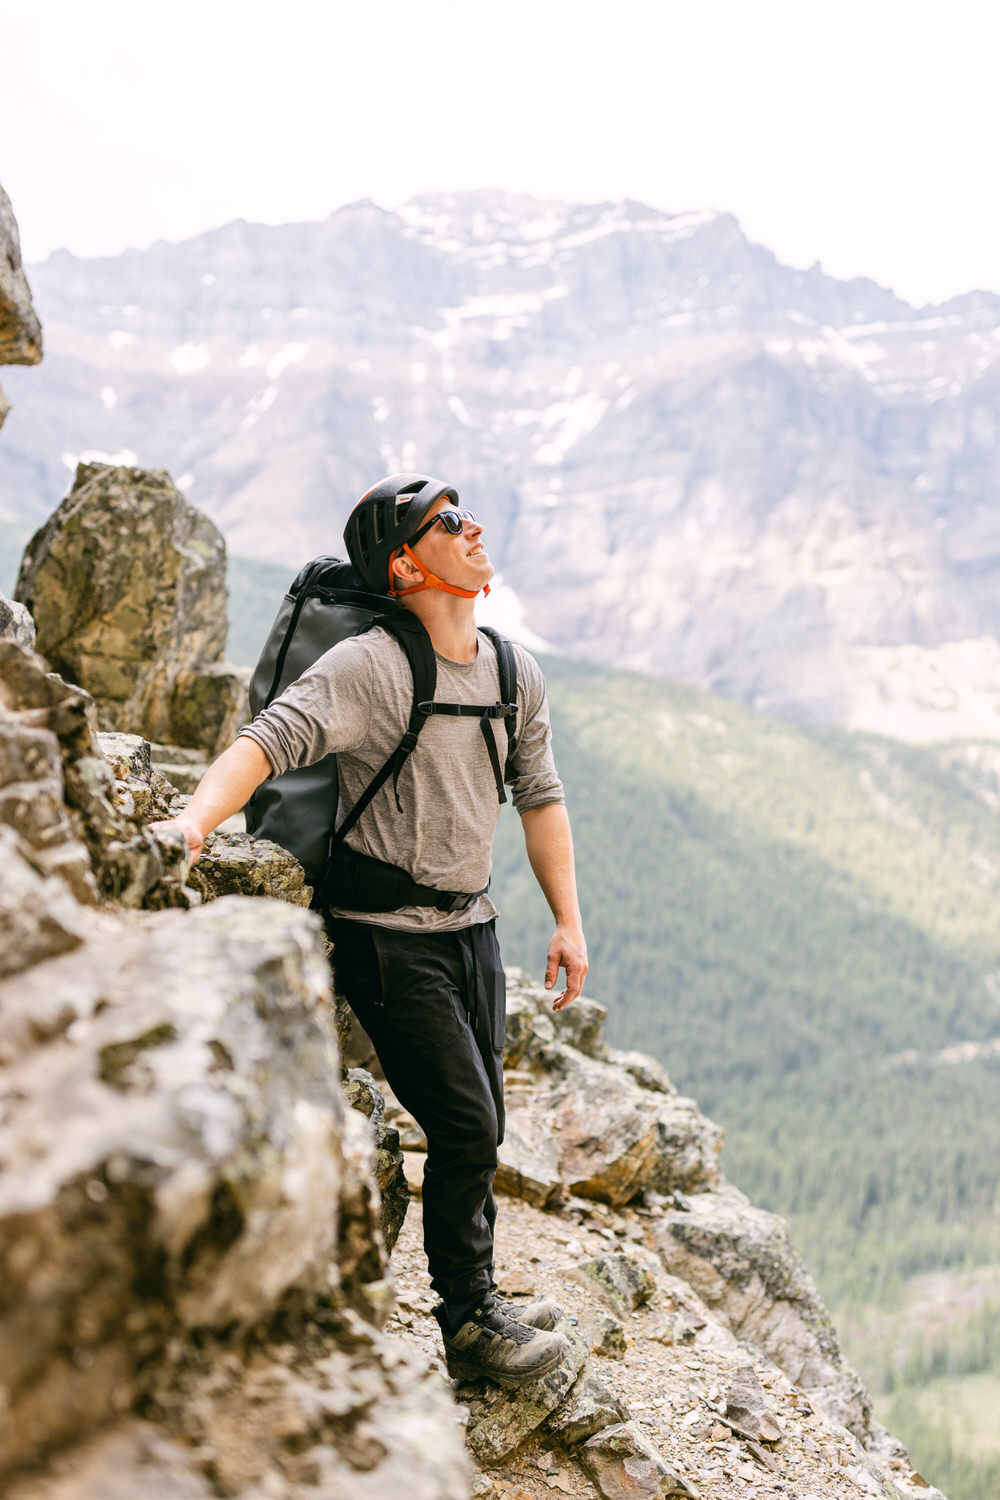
[(20, 330), (187, 1223), (192, 1271), (741, 1262), (232, 864), (16, 623), (57, 792), (166, 1039), (237, 864), (578, 1122), (363, 1094), (126, 584)]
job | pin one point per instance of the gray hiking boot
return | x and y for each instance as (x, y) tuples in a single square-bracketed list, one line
[(492, 1343), (540, 1312)]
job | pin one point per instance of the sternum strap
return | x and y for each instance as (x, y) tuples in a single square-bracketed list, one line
[(484, 712)]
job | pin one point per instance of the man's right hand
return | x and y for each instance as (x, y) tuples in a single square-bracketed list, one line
[(193, 836), (226, 786)]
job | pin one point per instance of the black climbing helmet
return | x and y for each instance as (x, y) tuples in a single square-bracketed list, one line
[(384, 518)]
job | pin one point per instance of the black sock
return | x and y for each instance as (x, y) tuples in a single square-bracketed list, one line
[(457, 1312)]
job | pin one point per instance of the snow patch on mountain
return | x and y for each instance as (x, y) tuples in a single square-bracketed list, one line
[(188, 359), (124, 458), (565, 423), (503, 609), (290, 354)]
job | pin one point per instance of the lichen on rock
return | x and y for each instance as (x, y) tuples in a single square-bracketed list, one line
[(127, 585)]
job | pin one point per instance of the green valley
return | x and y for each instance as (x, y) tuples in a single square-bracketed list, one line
[(802, 924)]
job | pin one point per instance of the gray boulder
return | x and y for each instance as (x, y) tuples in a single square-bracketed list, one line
[(189, 1222), (16, 624), (363, 1094), (621, 1280), (528, 1162), (589, 1408), (126, 583), (364, 1426), (532, 1025), (32, 786), (140, 791), (38, 915), (594, 1123), (20, 330), (741, 1262), (616, 1139), (57, 791), (748, 1411), (624, 1465), (179, 1129), (234, 864), (208, 704)]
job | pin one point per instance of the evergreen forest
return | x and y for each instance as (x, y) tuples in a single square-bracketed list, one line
[(802, 925)]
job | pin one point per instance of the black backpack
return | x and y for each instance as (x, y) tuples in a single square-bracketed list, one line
[(326, 604)]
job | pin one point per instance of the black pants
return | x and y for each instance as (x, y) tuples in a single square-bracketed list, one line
[(434, 1006)]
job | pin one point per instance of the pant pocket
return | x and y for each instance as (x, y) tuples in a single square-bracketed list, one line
[(419, 979), (494, 983)]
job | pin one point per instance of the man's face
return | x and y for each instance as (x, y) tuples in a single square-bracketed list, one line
[(461, 559)]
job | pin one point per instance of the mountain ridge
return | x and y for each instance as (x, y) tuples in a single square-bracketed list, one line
[(690, 459)]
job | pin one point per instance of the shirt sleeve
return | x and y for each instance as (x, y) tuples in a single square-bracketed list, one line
[(326, 710), (534, 780)]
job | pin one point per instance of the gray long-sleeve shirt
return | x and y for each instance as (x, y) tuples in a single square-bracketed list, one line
[(356, 701)]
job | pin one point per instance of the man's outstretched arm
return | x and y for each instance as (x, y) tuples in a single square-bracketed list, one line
[(549, 842), (226, 786)]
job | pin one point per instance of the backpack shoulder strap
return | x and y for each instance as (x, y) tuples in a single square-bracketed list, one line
[(416, 645), (419, 652), (507, 669)]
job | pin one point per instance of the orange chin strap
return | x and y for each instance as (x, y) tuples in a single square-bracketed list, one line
[(432, 581)]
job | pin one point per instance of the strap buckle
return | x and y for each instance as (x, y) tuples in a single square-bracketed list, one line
[(452, 901), (456, 901)]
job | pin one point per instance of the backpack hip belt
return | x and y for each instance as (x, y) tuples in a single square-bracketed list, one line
[(358, 882)]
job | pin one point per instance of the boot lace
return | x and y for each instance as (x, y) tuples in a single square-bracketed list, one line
[(497, 1320)]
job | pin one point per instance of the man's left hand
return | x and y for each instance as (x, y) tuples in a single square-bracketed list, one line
[(567, 950)]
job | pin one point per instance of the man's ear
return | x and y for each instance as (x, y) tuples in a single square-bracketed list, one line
[(403, 570)]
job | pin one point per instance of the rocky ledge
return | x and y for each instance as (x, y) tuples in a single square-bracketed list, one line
[(703, 1361)]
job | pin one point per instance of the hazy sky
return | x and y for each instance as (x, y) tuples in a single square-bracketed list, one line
[(861, 133)]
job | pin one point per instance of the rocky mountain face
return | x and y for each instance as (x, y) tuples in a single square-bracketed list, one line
[(20, 330), (691, 459)]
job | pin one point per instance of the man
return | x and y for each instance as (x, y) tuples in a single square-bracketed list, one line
[(427, 983)]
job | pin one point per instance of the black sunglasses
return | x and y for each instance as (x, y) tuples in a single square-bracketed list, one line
[(451, 520)]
